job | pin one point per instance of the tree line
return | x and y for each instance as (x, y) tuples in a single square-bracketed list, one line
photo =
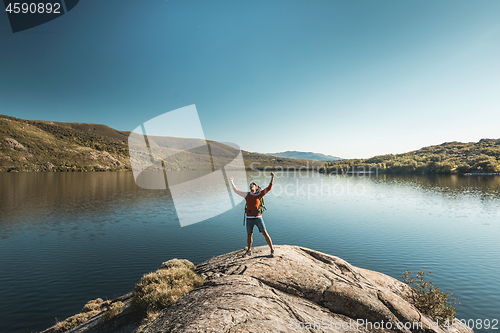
[(447, 158)]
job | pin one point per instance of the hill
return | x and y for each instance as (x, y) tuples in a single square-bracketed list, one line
[(33, 145), (447, 158), (306, 155)]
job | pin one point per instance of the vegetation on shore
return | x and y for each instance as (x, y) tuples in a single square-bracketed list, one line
[(158, 290), (153, 293), (91, 309), (429, 299), (447, 158)]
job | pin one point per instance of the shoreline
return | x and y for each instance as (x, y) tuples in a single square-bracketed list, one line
[(278, 169)]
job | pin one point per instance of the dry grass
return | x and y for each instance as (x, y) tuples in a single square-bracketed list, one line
[(150, 317), (160, 289), (114, 310), (92, 305), (89, 310), (177, 263), (154, 292), (75, 320)]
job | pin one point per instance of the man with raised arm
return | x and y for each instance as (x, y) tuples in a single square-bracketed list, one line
[(254, 213)]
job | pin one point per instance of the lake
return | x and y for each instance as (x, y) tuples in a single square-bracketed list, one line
[(67, 238)]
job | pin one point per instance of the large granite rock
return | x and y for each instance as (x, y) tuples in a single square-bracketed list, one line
[(297, 290)]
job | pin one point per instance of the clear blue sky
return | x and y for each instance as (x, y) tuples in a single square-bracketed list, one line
[(350, 78)]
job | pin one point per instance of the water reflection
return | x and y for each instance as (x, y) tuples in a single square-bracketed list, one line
[(487, 185), (59, 199), (451, 186), (118, 231), (62, 199)]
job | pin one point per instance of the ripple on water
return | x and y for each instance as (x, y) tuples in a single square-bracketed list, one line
[(65, 246)]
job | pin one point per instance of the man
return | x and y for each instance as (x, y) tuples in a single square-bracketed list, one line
[(253, 214)]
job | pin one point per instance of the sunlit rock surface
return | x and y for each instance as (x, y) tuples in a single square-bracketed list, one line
[(299, 290)]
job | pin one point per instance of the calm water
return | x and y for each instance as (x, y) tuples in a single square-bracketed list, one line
[(66, 238)]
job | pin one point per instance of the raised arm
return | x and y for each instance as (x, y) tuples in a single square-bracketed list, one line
[(240, 193), (269, 187)]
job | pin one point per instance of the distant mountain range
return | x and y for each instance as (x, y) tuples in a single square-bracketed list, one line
[(301, 155), (33, 145)]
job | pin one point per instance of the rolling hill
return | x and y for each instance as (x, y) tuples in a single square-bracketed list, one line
[(33, 145), (447, 158)]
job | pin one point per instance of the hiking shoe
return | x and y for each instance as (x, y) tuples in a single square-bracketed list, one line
[(248, 253), (272, 254)]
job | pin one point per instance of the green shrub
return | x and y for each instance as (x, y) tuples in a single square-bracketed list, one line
[(429, 299), (158, 290)]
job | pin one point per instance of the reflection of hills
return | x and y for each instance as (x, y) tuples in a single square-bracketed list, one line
[(55, 199), (31, 145), (485, 187)]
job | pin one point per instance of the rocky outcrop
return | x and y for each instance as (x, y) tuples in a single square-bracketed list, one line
[(49, 166), (13, 144), (298, 290)]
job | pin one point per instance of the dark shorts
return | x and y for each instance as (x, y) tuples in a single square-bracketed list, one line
[(255, 221)]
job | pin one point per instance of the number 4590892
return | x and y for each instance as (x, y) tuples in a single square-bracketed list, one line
[(33, 8)]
